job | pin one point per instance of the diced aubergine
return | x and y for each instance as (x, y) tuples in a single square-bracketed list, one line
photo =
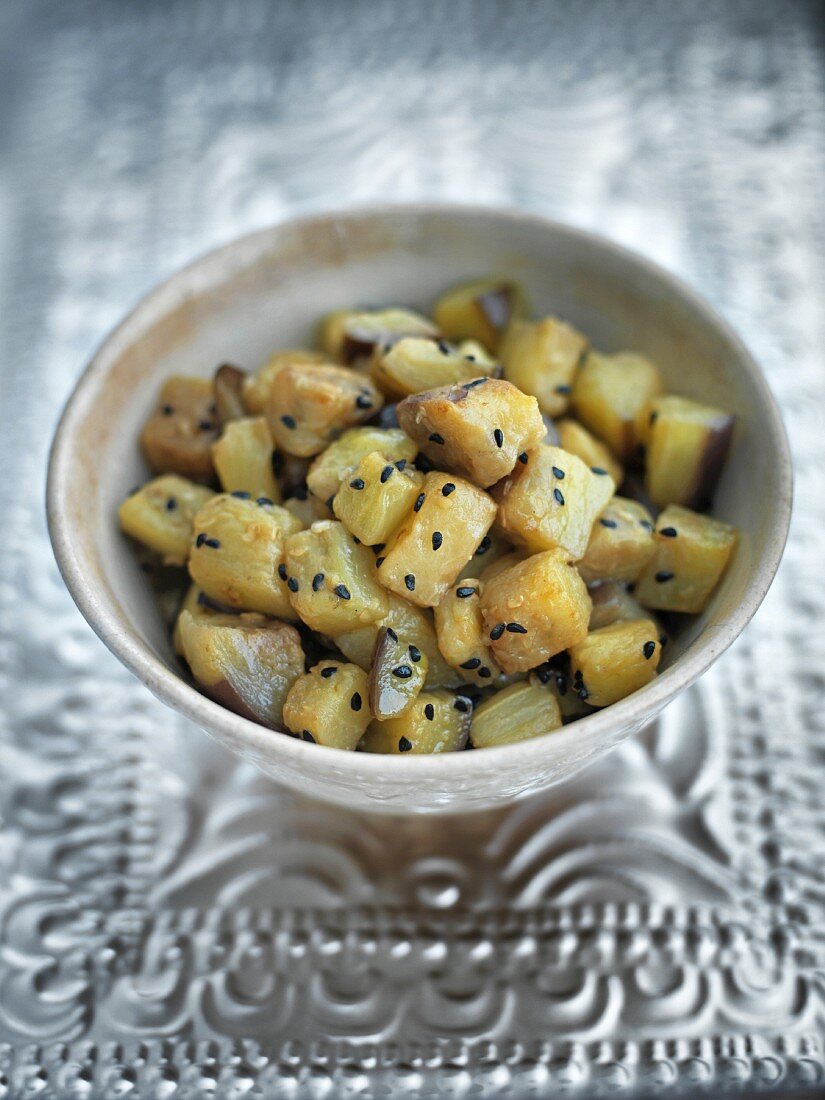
[(448, 520), (414, 364), (615, 661), (243, 458), (687, 445), (479, 310), (313, 403), (338, 462), (437, 721), (621, 543), (257, 387), (692, 552), (541, 358), (534, 610), (579, 441), (237, 547), (477, 429), (228, 384), (380, 494), (159, 515), (552, 501), (415, 625), (398, 673), (178, 436), (459, 627), (516, 713), (246, 662), (329, 705), (613, 396), (612, 603), (351, 336), (331, 580), (490, 550)]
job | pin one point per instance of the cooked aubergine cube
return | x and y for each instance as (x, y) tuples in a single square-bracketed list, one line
[(415, 626), (228, 386), (313, 403), (246, 662), (576, 439), (541, 358), (461, 638), (613, 395), (687, 445), (331, 580), (552, 501), (477, 429), (329, 705), (398, 673), (258, 386), (692, 552), (243, 458), (612, 603), (237, 547), (447, 522), (178, 436), (621, 543), (534, 610), (414, 364), (615, 661), (159, 515), (338, 462), (437, 721), (479, 310), (516, 713), (380, 494), (351, 336)]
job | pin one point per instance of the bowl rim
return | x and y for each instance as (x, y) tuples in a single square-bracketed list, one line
[(171, 687)]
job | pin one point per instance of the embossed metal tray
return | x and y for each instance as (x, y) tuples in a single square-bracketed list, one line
[(172, 923)]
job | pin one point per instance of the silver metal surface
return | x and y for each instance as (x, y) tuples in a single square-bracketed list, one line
[(172, 924)]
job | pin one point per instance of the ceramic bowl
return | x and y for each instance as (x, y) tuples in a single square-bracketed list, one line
[(266, 291)]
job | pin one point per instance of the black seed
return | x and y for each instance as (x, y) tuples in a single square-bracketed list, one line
[(422, 463), (363, 402), (355, 701), (557, 493), (598, 470), (443, 347), (264, 502), (465, 591), (391, 634), (561, 683), (462, 704), (583, 693), (473, 662), (646, 524), (497, 631), (544, 673), (563, 389), (649, 648), (415, 654), (404, 745), (327, 672), (669, 532), (436, 438), (409, 581), (241, 495), (447, 488), (171, 504), (558, 473), (308, 737), (403, 672), (418, 503), (317, 581), (357, 483), (429, 712), (516, 628), (288, 421), (663, 640), (475, 382), (167, 410), (378, 561), (386, 473), (400, 464), (483, 546), (438, 538), (523, 458), (470, 358), (654, 417), (213, 544), (498, 436), (292, 584), (484, 673), (282, 573), (205, 425), (342, 591), (200, 540), (663, 576), (608, 523)]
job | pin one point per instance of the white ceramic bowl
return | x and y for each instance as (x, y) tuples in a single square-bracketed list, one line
[(267, 290)]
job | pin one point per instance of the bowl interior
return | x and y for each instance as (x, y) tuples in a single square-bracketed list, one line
[(267, 291)]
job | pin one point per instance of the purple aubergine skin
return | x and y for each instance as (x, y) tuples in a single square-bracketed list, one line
[(711, 464), (497, 306), (228, 384)]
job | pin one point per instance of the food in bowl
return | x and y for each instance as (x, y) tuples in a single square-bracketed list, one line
[(409, 539)]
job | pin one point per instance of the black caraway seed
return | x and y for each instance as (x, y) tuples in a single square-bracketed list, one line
[(558, 473), (608, 523), (355, 701), (483, 546), (264, 502), (559, 496), (663, 576), (418, 503), (429, 712), (443, 347), (386, 473), (497, 631), (288, 421), (282, 573), (523, 458), (403, 672), (317, 581), (465, 592), (363, 402), (213, 544), (516, 628), (649, 648), (342, 591), (357, 483), (171, 504), (409, 581), (401, 464), (404, 745), (462, 704), (447, 488), (498, 436), (391, 634), (415, 654), (292, 584), (563, 389), (646, 524), (438, 538), (484, 673), (473, 662), (669, 532), (167, 410), (422, 463), (241, 495), (475, 382), (598, 470), (436, 438), (379, 561), (205, 425), (327, 672), (201, 539)]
